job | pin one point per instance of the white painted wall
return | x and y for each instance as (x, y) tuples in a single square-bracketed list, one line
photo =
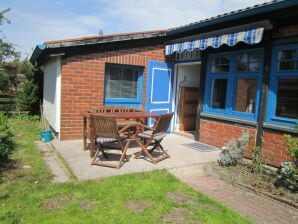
[(191, 74), (52, 92)]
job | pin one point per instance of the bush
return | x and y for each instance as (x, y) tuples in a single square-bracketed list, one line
[(257, 159), (288, 173), (6, 142), (29, 93), (288, 177), (27, 97), (292, 147), (233, 152)]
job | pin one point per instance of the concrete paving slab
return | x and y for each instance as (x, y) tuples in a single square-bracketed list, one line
[(56, 168), (79, 160)]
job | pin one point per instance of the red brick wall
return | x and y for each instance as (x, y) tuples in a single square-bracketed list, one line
[(218, 134), (274, 148), (82, 82)]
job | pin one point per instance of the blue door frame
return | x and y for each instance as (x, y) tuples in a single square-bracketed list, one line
[(159, 88)]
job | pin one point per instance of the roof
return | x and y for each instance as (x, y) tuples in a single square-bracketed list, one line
[(104, 38), (92, 40), (234, 15)]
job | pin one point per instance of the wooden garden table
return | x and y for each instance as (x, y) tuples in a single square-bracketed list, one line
[(128, 118)]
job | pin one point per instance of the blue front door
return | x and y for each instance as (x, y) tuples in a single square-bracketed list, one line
[(159, 88)]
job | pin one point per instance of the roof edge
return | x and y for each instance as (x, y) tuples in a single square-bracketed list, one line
[(37, 52), (234, 15)]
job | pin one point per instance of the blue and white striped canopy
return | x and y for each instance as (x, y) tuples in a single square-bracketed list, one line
[(251, 36)]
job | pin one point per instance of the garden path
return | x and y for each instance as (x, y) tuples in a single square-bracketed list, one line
[(258, 208)]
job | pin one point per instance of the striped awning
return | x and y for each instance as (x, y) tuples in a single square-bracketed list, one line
[(251, 36)]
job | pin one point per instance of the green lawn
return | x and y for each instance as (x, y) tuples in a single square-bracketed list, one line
[(27, 196)]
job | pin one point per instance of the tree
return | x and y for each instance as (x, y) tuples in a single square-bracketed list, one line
[(7, 52), (29, 95)]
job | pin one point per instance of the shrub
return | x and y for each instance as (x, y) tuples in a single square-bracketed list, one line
[(6, 142), (292, 147), (288, 177), (257, 159), (233, 152), (288, 173), (27, 97)]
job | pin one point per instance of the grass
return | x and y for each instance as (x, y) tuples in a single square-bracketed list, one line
[(27, 196)]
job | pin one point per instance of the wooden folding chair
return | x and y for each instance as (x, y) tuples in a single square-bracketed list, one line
[(104, 130), (152, 137)]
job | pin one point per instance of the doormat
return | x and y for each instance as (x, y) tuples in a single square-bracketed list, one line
[(201, 147)]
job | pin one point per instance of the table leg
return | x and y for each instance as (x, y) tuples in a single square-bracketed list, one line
[(92, 144), (84, 133)]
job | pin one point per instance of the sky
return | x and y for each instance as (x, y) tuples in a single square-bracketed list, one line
[(33, 22)]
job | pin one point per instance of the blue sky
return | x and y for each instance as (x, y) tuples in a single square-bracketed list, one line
[(36, 21)]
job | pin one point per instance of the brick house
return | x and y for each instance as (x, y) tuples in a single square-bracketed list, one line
[(221, 76)]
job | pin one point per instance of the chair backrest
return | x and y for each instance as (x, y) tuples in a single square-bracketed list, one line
[(163, 123), (116, 109), (104, 126)]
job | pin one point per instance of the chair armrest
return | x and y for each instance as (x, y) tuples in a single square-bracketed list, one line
[(147, 127), (125, 128)]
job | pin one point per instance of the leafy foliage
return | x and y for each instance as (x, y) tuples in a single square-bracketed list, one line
[(4, 80), (288, 177), (257, 159), (6, 142), (29, 94), (27, 97), (289, 169), (292, 147), (233, 152), (27, 117), (7, 50)]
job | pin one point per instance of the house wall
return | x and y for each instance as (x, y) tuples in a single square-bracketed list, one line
[(274, 147), (51, 92), (218, 133), (83, 82)]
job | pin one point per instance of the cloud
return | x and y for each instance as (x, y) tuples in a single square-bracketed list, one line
[(32, 25)]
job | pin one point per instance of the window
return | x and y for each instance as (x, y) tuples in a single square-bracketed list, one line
[(287, 98), (283, 89), (220, 64), (246, 92), (123, 85), (219, 89), (188, 55), (233, 84), (248, 62)]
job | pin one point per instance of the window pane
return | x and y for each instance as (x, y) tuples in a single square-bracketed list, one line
[(220, 68), (225, 60), (287, 98), (220, 64), (255, 58), (286, 65), (246, 62), (242, 58), (121, 82), (254, 67), (246, 95), (242, 67), (219, 91), (287, 55)]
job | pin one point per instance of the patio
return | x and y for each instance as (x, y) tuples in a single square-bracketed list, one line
[(181, 156)]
